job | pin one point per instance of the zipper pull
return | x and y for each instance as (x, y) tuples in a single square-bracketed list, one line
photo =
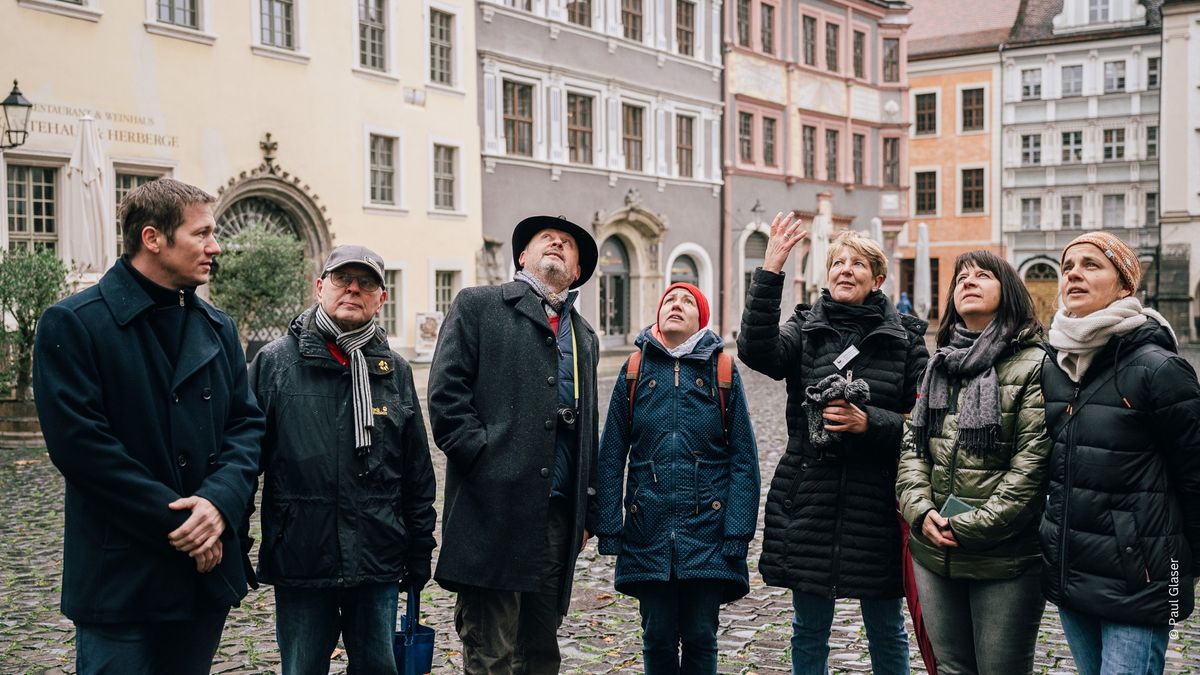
[(849, 376), (1071, 405), (181, 304), (676, 373), (653, 472)]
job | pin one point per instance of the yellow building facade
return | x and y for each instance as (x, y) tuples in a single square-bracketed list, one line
[(339, 122)]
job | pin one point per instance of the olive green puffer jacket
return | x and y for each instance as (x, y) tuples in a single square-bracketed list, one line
[(998, 539)]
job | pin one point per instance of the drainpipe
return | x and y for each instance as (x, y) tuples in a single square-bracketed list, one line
[(726, 255)]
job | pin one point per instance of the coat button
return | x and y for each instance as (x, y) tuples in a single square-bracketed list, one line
[(787, 503), (181, 460), (699, 382), (545, 472), (175, 397), (212, 458), (716, 506), (550, 380), (206, 393), (651, 384), (549, 342), (633, 509), (549, 424), (1129, 549)]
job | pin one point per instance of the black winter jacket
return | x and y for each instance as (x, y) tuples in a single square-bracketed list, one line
[(831, 526), (332, 519), (1121, 532)]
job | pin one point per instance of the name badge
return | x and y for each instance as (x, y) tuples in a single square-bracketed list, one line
[(845, 357)]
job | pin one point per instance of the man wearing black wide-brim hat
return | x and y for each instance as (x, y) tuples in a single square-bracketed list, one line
[(512, 401)]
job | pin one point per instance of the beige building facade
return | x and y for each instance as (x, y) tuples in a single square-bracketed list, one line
[(337, 122)]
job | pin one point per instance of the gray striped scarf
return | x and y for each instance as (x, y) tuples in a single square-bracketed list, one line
[(352, 343)]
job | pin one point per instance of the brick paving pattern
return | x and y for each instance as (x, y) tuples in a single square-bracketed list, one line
[(600, 635)]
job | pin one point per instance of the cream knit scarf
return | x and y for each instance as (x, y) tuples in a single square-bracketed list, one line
[(1079, 339)]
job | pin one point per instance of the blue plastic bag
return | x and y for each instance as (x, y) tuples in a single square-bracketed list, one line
[(413, 643)]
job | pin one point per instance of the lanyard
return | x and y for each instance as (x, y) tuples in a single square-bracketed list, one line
[(574, 361)]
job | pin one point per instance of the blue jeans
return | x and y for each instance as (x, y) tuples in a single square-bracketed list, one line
[(887, 640), (185, 647), (1102, 647), (309, 620), (679, 612)]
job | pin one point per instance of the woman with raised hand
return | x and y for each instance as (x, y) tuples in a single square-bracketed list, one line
[(851, 363), (973, 473), (1121, 532)]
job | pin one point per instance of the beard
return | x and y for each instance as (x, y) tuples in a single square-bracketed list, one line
[(553, 273)]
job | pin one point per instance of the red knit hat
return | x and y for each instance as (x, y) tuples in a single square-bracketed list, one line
[(701, 301)]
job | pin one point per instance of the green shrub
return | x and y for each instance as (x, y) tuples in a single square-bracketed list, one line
[(30, 282), (262, 280)]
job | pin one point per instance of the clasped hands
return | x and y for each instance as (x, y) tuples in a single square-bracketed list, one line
[(200, 535), (937, 530)]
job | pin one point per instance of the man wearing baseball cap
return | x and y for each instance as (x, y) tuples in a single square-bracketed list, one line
[(512, 400), (348, 488)]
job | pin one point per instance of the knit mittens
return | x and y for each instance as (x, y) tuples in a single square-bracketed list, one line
[(816, 397)]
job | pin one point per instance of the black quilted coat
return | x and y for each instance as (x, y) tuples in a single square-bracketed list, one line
[(831, 525), (1121, 532)]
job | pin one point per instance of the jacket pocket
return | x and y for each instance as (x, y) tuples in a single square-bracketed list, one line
[(1133, 561)]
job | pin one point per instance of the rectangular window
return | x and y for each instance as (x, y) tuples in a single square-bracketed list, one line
[(908, 282), (767, 28), (579, 12), (445, 283), (809, 150), (1097, 10), (1114, 76), (32, 207), (926, 202), (743, 23), (1151, 142), (685, 26), (391, 310), (180, 13), (126, 183), (372, 33), (926, 114), (1114, 144), (810, 41), (768, 134), (891, 162), (1031, 84), (746, 137), (972, 109), (1072, 213), (832, 31), (1151, 209), (1153, 68), (278, 28), (1072, 80), (859, 141), (441, 47), (1072, 146), (972, 191), (1031, 213), (831, 154), (520, 4), (891, 60), (443, 177), (383, 170), (632, 136), (631, 19), (518, 118), (1114, 212), (684, 144), (579, 128), (860, 55), (1031, 149)]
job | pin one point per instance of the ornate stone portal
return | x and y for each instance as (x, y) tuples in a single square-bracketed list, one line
[(631, 281)]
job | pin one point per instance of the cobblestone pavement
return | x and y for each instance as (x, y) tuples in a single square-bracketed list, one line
[(601, 634)]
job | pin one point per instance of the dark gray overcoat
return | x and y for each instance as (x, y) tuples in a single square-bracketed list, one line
[(493, 399)]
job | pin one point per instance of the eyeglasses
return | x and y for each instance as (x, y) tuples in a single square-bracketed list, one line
[(366, 283)]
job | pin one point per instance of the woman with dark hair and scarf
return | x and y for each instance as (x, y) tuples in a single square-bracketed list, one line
[(851, 363), (972, 476), (1121, 533)]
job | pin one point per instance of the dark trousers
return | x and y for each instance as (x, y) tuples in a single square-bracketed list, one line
[(507, 632), (678, 613), (149, 648), (309, 620)]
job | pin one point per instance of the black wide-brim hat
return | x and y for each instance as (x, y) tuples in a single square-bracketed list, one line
[(583, 242)]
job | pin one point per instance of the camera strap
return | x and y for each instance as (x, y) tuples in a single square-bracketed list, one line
[(574, 361)]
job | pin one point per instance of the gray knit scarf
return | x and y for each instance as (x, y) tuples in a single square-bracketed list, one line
[(554, 300), (970, 355), (352, 343)]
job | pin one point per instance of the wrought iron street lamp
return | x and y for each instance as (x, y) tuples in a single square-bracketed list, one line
[(16, 119)]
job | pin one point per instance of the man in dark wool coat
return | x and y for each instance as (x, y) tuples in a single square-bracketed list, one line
[(512, 400), (142, 392)]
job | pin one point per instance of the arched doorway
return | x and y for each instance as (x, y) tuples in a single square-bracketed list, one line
[(1042, 282), (754, 251), (614, 292), (685, 269)]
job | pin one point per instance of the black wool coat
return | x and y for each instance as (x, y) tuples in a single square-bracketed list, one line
[(1120, 535), (132, 432), (831, 525), (493, 401)]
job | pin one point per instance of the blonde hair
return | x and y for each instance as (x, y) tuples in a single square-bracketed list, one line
[(861, 245)]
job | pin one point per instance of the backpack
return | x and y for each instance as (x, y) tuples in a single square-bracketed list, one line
[(724, 384)]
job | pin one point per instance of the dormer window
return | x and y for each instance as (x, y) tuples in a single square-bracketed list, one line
[(1098, 11)]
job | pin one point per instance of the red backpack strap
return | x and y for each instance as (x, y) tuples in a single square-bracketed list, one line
[(724, 386), (633, 368)]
